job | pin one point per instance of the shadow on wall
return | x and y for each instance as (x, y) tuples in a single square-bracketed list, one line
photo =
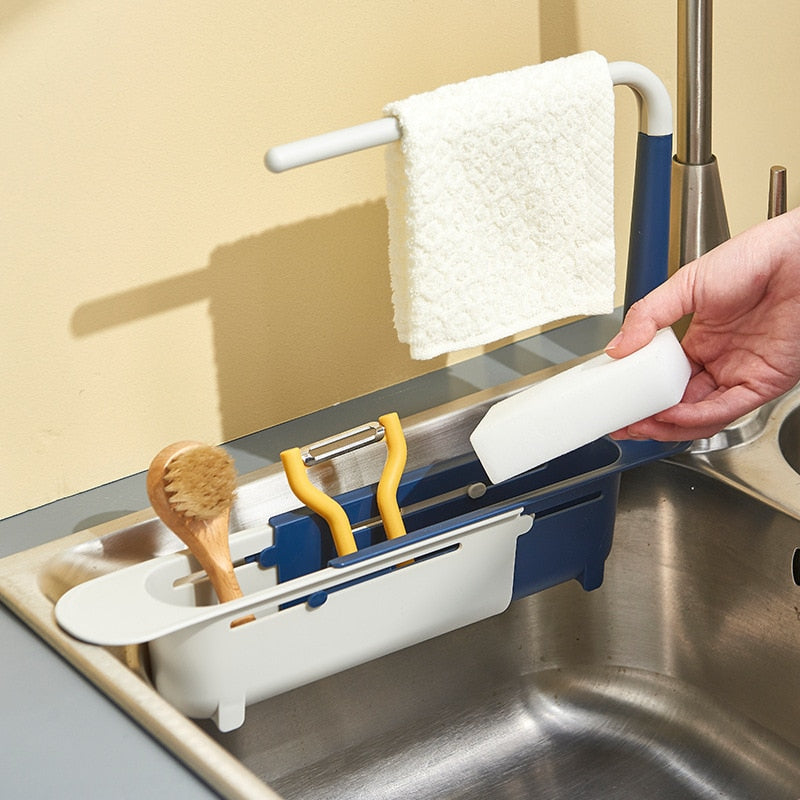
[(277, 302), (301, 304)]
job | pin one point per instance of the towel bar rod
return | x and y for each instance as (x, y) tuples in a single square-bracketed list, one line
[(655, 119), (330, 145)]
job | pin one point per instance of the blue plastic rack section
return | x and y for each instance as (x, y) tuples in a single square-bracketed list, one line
[(573, 501)]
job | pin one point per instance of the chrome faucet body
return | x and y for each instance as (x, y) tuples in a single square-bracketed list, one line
[(698, 218)]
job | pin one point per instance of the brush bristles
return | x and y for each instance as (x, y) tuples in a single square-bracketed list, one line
[(201, 482)]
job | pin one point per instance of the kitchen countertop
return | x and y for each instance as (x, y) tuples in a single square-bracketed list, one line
[(60, 736)]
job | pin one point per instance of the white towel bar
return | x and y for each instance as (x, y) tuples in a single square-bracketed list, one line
[(655, 119)]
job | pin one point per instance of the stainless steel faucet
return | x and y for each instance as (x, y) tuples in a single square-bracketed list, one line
[(698, 218)]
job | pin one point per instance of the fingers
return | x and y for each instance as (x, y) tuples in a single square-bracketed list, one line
[(699, 420), (653, 428), (660, 432)]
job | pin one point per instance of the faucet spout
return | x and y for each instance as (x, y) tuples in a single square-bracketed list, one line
[(699, 221)]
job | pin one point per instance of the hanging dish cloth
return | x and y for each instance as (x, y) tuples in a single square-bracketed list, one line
[(501, 205)]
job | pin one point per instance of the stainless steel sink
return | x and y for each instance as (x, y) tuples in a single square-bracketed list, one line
[(678, 677), (789, 439)]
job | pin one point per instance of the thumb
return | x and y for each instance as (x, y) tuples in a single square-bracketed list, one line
[(665, 305), (638, 329)]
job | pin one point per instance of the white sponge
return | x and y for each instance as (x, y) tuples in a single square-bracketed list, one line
[(580, 405)]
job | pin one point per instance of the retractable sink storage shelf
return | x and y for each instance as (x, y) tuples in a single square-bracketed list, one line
[(468, 550)]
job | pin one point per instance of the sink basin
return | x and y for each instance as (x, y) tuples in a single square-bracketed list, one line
[(678, 677), (789, 439)]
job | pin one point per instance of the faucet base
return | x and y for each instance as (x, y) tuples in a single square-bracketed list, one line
[(698, 219)]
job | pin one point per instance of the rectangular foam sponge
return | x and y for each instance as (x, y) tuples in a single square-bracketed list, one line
[(580, 405)]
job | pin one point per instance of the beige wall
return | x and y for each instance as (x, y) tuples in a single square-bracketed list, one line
[(158, 283)]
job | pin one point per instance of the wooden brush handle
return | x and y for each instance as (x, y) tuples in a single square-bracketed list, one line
[(209, 545)]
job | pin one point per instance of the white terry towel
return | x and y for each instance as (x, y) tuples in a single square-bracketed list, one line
[(500, 198)]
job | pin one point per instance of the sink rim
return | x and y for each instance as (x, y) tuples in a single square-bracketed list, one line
[(748, 455)]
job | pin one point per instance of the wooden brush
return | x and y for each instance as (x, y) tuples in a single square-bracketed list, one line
[(191, 487)]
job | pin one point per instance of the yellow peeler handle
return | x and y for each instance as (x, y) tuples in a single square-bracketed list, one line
[(318, 501), (390, 477), (294, 464)]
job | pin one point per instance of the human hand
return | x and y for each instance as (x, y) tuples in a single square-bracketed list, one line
[(744, 337)]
